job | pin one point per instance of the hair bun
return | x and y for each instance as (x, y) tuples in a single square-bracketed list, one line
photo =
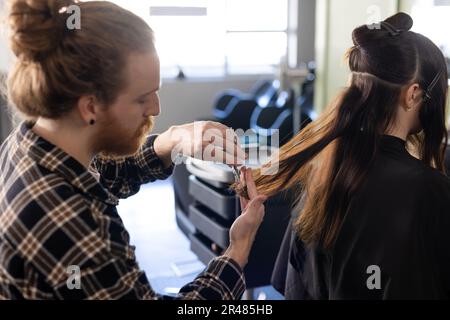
[(366, 35), (37, 27), (401, 21)]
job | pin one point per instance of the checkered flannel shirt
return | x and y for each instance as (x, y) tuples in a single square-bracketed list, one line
[(56, 214)]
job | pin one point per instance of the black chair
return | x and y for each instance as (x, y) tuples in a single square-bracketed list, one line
[(234, 108), (265, 92), (278, 117), (236, 112)]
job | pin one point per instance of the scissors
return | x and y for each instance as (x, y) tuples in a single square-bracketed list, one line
[(237, 179), (236, 173)]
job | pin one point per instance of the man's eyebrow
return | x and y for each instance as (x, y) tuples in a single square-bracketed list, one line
[(151, 91)]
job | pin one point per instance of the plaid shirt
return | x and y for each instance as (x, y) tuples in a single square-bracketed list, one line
[(56, 214)]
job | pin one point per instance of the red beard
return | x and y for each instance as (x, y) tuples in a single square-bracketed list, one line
[(116, 141)]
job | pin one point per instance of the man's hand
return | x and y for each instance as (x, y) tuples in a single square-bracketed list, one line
[(244, 228), (205, 140)]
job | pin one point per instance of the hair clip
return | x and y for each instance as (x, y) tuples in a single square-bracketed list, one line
[(390, 28), (236, 173), (427, 95)]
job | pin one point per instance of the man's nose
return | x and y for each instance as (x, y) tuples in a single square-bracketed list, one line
[(154, 111)]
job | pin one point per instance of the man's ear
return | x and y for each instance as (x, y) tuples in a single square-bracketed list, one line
[(88, 107), (413, 96)]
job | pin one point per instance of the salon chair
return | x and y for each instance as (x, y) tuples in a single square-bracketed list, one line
[(265, 92), (236, 112), (277, 116), (234, 108)]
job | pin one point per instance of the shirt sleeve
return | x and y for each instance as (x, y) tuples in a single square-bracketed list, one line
[(79, 253), (223, 279), (124, 176), (120, 279), (117, 278)]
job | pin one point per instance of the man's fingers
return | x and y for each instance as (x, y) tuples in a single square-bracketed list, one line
[(217, 125), (251, 187), (217, 154), (244, 203), (227, 132), (234, 154), (229, 138), (229, 146)]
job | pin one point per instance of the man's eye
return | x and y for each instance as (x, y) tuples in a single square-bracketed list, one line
[(142, 101)]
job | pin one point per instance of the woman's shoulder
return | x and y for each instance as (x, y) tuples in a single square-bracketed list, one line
[(436, 179), (435, 188), (417, 172), (422, 182)]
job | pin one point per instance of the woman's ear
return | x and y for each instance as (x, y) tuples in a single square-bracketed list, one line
[(413, 97)]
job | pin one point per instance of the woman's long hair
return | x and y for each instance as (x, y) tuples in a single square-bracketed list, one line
[(329, 159)]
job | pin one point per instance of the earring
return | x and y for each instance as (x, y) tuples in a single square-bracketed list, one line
[(92, 122)]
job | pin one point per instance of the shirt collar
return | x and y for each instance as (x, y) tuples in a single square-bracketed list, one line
[(393, 141), (58, 161)]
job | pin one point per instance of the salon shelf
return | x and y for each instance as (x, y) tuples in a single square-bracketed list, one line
[(222, 201), (201, 246), (210, 224)]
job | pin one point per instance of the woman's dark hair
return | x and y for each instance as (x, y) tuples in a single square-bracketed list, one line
[(328, 160)]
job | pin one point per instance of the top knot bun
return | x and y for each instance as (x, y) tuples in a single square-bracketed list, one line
[(367, 35), (401, 21), (37, 27)]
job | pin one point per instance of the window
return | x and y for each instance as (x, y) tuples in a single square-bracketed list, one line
[(431, 18), (207, 38)]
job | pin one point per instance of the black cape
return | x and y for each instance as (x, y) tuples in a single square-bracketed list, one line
[(397, 223)]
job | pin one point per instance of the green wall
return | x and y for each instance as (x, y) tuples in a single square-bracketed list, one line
[(335, 21)]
